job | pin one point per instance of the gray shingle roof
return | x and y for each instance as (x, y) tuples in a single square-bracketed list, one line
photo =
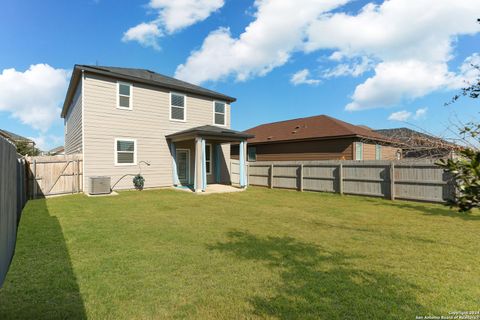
[(413, 138), (13, 136)]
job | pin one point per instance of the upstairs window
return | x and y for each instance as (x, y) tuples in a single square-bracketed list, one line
[(124, 97), (177, 107), (378, 152), (125, 151), (208, 158), (252, 153), (219, 113), (358, 151)]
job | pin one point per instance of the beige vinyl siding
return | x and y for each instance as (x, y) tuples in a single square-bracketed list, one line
[(148, 122), (73, 122)]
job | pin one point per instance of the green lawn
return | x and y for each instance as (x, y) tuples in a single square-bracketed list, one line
[(258, 254)]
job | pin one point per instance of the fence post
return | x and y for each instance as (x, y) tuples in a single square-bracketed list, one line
[(34, 187), (271, 176), (73, 177), (301, 177), (340, 178), (392, 181), (78, 176)]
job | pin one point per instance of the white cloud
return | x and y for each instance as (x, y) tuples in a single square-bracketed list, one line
[(354, 69), (172, 16), (267, 42), (179, 14), (411, 40), (405, 115), (47, 142), (302, 77), (420, 113), (397, 81), (407, 43), (467, 74), (145, 33), (34, 96), (400, 116)]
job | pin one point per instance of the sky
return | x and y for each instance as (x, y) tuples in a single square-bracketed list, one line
[(383, 64)]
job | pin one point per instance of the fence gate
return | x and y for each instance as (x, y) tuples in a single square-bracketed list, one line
[(54, 175)]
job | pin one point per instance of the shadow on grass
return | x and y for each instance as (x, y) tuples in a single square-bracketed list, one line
[(40, 283), (322, 285), (377, 231), (444, 211)]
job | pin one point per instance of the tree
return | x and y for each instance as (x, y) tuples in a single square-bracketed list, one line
[(466, 168), (26, 148)]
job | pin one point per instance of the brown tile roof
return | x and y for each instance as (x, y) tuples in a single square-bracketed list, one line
[(316, 127)]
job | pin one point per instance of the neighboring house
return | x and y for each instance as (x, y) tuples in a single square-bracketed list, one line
[(60, 150), (27, 148), (420, 145), (128, 121), (317, 138), (16, 138)]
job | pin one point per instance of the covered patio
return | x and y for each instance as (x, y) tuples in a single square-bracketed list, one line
[(201, 155)]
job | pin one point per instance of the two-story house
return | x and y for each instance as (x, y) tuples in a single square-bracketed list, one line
[(127, 121)]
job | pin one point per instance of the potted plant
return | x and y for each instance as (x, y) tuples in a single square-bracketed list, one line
[(139, 182)]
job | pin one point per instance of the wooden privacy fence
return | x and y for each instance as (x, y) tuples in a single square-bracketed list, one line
[(409, 180), (55, 175), (12, 200)]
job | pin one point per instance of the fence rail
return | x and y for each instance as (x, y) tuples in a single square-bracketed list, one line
[(418, 180), (13, 197)]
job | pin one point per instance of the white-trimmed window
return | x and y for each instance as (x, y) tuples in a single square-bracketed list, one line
[(124, 96), (378, 152), (252, 153), (219, 113), (125, 151), (358, 151), (208, 158), (178, 110)]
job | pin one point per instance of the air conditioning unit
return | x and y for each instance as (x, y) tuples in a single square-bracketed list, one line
[(99, 185)]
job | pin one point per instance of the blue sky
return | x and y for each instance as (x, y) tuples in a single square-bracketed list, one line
[(365, 62)]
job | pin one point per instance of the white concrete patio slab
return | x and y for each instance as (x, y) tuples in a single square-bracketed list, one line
[(212, 188)]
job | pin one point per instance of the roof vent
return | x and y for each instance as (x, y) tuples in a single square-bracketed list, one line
[(297, 127), (269, 138), (294, 131)]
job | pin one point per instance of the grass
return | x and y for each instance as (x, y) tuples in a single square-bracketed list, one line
[(263, 253)]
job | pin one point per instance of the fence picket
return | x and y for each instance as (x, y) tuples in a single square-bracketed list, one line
[(413, 180)]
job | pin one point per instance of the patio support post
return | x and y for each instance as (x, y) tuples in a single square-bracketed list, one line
[(218, 172), (173, 150), (198, 183), (204, 167), (242, 164)]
